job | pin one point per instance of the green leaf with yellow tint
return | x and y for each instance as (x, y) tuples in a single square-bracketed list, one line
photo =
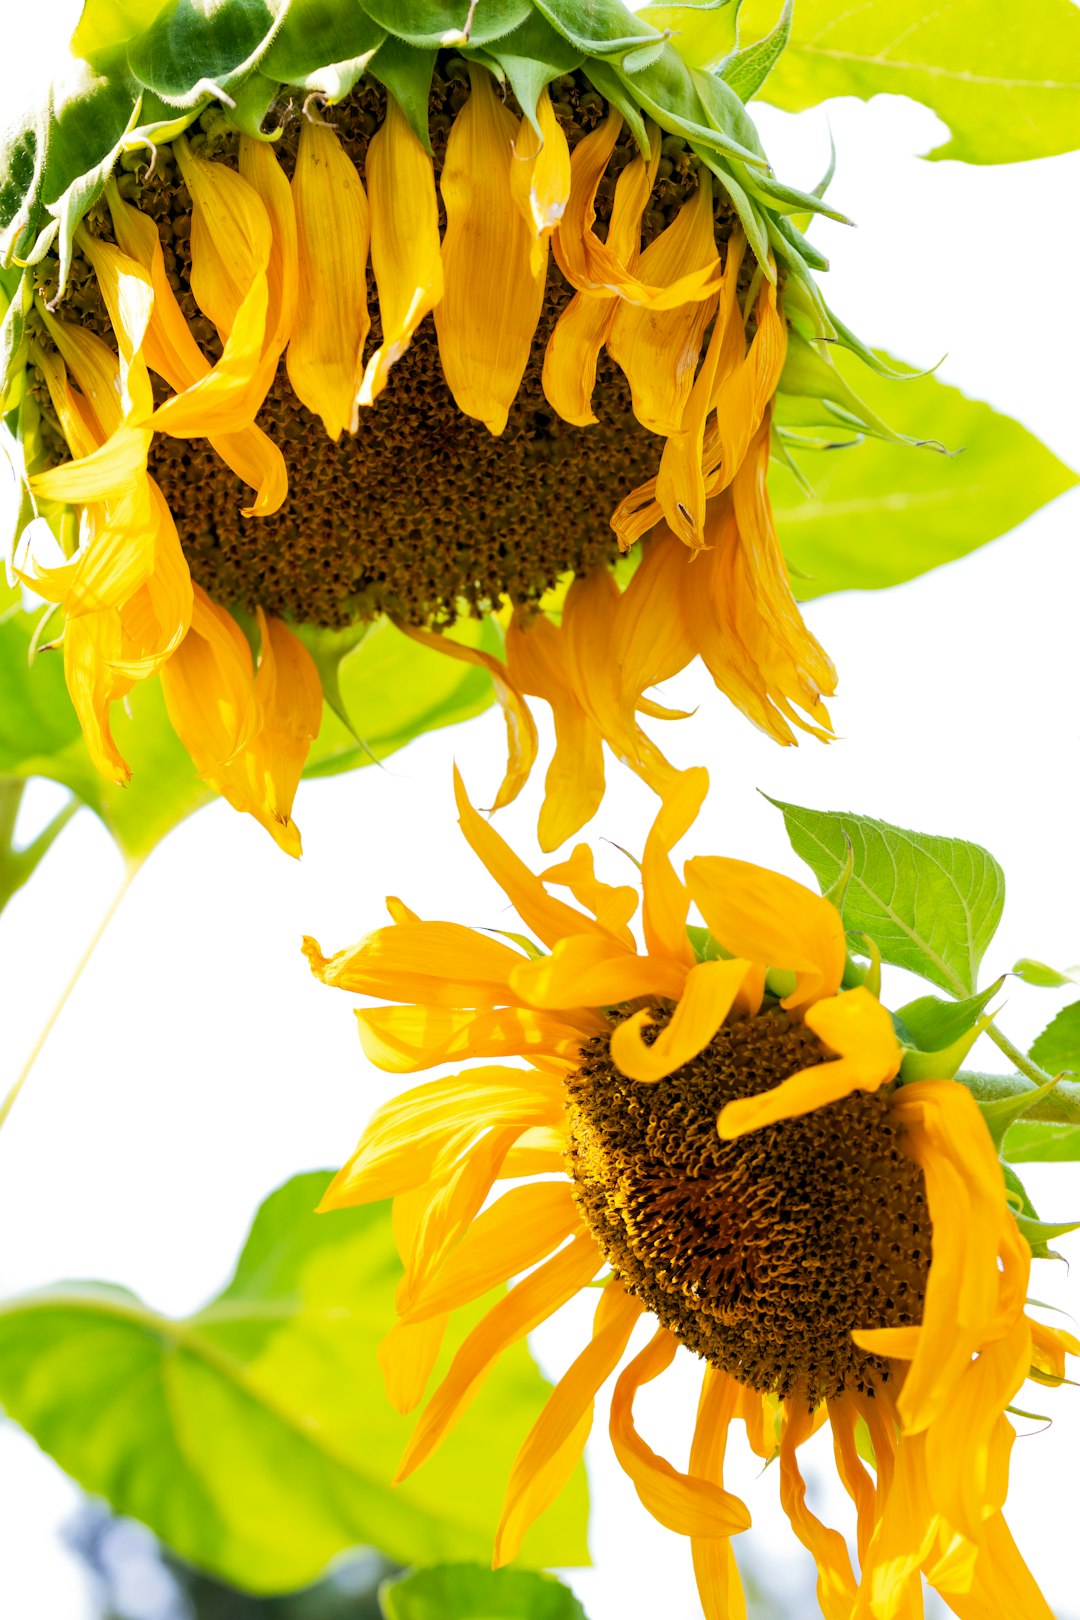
[(431, 23), (929, 904), (1004, 77), (468, 1592), (882, 513), (255, 1437), (1057, 1049)]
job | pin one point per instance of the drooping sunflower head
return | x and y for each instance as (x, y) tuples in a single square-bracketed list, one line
[(365, 316), (716, 1125)]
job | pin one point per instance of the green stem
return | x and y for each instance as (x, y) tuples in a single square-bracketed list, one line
[(110, 911), (1031, 1070)]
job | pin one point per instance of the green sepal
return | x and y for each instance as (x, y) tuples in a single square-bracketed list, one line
[(704, 946), (254, 100), (1041, 974), (944, 1063), (795, 243), (999, 1114), (1037, 1232), (751, 217), (531, 57), (106, 24), (1058, 1105), (328, 649), (322, 47), (604, 79), (669, 92), (430, 24), (809, 374), (934, 1023), (407, 75), (747, 69), (199, 48), (597, 27)]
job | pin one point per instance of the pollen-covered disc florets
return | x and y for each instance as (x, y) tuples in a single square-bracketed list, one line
[(764, 1253)]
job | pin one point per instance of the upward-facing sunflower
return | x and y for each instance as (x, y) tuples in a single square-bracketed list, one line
[(720, 1133), (392, 310)]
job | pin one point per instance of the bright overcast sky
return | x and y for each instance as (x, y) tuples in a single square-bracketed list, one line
[(198, 1064)]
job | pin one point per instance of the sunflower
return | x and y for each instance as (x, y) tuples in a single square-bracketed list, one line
[(713, 1133), (368, 319)]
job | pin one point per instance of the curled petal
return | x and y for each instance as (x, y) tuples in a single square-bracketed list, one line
[(540, 177), (709, 993), (686, 1503), (856, 1026)]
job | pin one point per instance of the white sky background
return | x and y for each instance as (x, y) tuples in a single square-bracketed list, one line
[(198, 1064)]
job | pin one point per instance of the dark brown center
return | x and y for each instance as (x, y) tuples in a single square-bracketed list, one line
[(764, 1253), (423, 512)]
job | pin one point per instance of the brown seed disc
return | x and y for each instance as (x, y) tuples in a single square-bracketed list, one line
[(423, 511), (764, 1253)]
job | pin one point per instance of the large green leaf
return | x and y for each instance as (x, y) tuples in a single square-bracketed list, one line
[(1004, 77), (882, 513), (255, 1437), (467, 1592), (929, 904), (1058, 1047)]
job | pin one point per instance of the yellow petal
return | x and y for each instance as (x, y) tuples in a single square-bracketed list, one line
[(418, 1135), (589, 972), (332, 321), (209, 687), (667, 900), (521, 738), (708, 995), (289, 693), (659, 350), (95, 369), (120, 556), (260, 168), (540, 177), (772, 920), (528, 1304), (492, 297), (89, 645), (1001, 1583), (439, 1216), (406, 254), (157, 617), (686, 1503), (574, 784), (230, 239), (719, 1586), (961, 1444), (744, 394), (520, 1229), (129, 297), (588, 161), (549, 919), (680, 483), (78, 422), (860, 1030), (562, 1427), (611, 905), (836, 1588), (443, 964), (407, 1357), (172, 352), (119, 462), (402, 1040), (651, 641)]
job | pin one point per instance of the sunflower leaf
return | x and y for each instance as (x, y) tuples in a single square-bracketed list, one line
[(746, 70), (930, 904), (254, 1437), (468, 1591), (1041, 974), (1032, 1142), (704, 33), (1005, 78), (1057, 1049), (884, 513)]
